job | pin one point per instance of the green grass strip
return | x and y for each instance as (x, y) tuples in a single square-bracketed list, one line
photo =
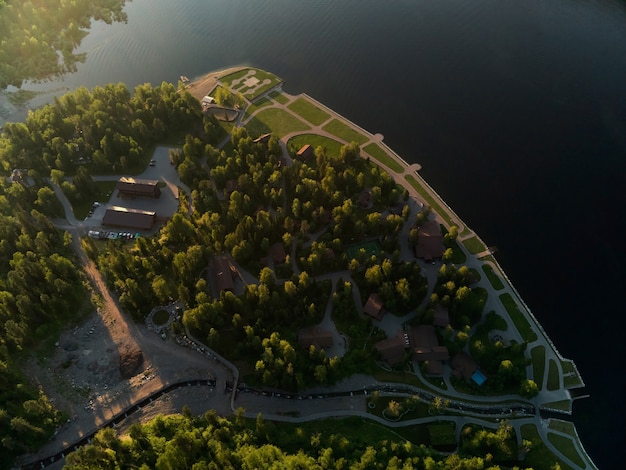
[(344, 132), (428, 199), (567, 448), (494, 279), (568, 367), (540, 455), (571, 381), (276, 121), (538, 356), (280, 97), (565, 427), (383, 157), (554, 378), (308, 111), (565, 405), (474, 245), (519, 319)]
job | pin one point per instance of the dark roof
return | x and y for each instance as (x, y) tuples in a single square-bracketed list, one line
[(314, 336), (116, 216), (223, 274), (374, 306), (425, 344), (137, 187), (278, 254), (463, 365), (365, 198), (392, 349), (441, 316), (430, 241)]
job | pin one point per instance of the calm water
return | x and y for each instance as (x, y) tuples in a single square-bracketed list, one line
[(515, 109)]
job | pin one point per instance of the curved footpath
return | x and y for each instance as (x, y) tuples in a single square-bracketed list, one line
[(349, 397)]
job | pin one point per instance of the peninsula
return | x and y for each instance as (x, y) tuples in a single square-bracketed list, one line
[(254, 253)]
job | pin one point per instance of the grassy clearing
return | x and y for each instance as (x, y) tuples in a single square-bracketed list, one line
[(332, 147), (276, 121), (344, 132), (538, 356), (428, 199), (308, 111), (540, 456), (253, 108), (520, 321), (565, 405), (554, 378), (474, 245), (383, 157), (565, 427), (571, 381), (236, 81), (280, 97), (494, 279), (567, 448), (104, 189)]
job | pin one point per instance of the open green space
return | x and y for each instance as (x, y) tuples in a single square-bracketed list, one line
[(276, 121), (538, 356), (258, 104), (383, 157), (332, 147), (371, 247), (571, 381), (567, 366), (308, 111), (428, 199), (566, 427), (474, 245), (520, 321), (280, 97), (343, 131), (565, 405), (567, 448), (104, 189), (539, 456), (494, 279), (554, 377), (236, 81)]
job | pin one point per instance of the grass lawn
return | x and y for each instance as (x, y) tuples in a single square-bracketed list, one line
[(307, 110), (538, 356), (104, 189), (345, 132), (539, 456), (494, 279), (565, 427), (429, 199), (474, 245), (571, 381), (281, 98), (567, 448), (277, 121), (565, 405), (520, 321), (370, 247), (554, 378), (253, 108), (251, 92), (383, 157), (332, 147), (568, 367)]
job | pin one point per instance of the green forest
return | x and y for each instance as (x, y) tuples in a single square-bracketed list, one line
[(211, 442), (38, 38), (41, 288)]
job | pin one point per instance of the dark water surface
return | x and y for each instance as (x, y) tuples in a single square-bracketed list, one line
[(515, 109)]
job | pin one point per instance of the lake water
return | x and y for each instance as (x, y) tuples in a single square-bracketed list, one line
[(515, 109)]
